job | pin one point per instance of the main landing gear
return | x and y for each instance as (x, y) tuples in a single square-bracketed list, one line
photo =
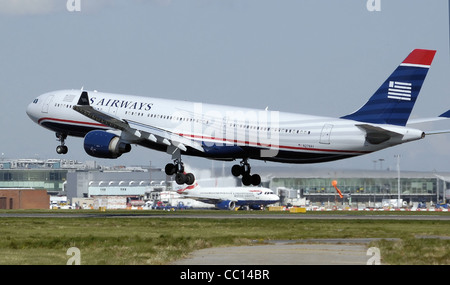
[(62, 148), (177, 168), (181, 177), (244, 169)]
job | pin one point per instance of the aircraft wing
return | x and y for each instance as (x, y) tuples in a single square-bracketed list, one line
[(101, 117), (136, 130)]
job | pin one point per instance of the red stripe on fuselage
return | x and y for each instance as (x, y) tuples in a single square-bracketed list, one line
[(71, 122), (276, 146)]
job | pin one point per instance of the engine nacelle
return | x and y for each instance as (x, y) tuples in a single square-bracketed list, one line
[(226, 205), (104, 145)]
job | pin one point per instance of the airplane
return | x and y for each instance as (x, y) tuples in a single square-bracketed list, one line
[(111, 123), (228, 198)]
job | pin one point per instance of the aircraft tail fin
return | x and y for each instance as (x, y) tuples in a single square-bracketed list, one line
[(393, 102), (189, 187)]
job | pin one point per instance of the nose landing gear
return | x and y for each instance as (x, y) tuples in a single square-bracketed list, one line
[(62, 148), (244, 169)]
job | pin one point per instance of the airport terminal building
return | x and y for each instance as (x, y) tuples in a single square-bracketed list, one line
[(49, 174), (362, 186), (81, 180)]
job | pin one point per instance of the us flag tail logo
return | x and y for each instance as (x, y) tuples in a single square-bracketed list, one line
[(399, 90)]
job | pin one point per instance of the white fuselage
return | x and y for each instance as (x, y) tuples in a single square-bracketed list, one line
[(225, 132), (240, 196)]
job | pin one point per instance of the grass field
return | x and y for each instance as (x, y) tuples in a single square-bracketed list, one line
[(124, 240)]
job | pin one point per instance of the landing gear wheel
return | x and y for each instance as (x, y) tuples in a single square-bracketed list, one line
[(177, 168), (244, 170), (236, 170), (62, 149), (181, 178), (170, 169), (190, 179), (247, 180), (256, 179)]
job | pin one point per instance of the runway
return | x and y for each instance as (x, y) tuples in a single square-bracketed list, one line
[(292, 252), (225, 215)]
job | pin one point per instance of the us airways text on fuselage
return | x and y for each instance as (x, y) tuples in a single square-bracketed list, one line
[(125, 104)]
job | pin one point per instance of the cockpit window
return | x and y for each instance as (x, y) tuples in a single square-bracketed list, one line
[(35, 101)]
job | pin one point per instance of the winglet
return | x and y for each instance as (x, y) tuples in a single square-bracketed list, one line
[(84, 99)]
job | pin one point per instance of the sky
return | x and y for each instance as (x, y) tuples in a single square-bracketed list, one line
[(318, 57)]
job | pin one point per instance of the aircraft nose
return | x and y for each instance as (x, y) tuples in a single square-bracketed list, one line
[(33, 108)]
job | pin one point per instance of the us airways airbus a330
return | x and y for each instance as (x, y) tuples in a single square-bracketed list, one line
[(111, 123)]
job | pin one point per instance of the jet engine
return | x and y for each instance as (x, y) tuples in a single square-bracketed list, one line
[(104, 145), (226, 205)]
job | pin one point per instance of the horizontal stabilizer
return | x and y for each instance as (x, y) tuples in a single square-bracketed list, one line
[(445, 115), (441, 117), (376, 134), (437, 132)]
